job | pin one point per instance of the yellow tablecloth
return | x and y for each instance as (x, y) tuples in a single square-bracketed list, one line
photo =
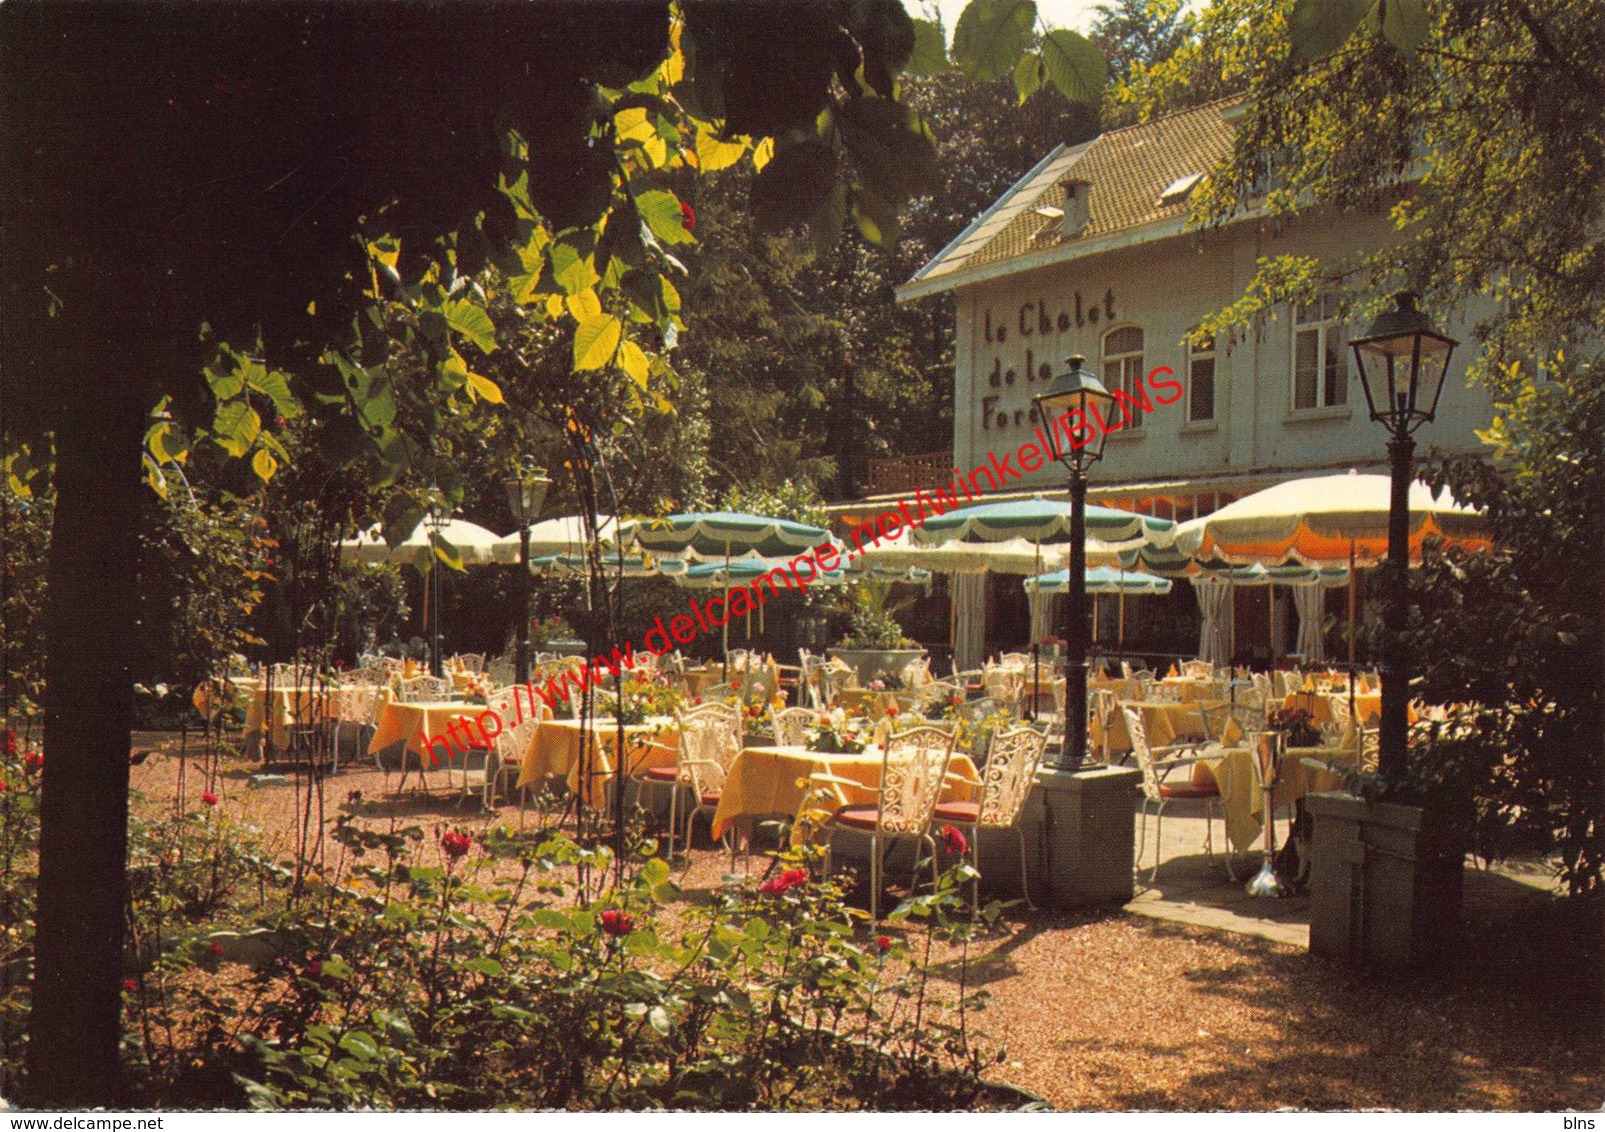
[(766, 781), (418, 722), (1165, 723), (1243, 800), (293, 705), (1192, 688), (555, 752), (1367, 706)]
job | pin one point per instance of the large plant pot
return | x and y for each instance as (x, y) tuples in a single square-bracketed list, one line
[(1386, 882), (567, 647), (872, 663)]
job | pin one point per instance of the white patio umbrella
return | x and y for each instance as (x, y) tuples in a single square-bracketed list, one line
[(1326, 521), (473, 543), (470, 542), (564, 535)]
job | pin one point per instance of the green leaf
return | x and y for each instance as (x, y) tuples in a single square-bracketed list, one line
[(661, 211), (876, 219), (714, 154), (225, 384), (484, 965), (275, 385), (471, 321), (992, 35), (361, 1045), (825, 226), (1028, 75), (264, 465), (1074, 65), (572, 271), (1405, 23), (449, 554), (401, 517), (235, 427), (1320, 27), (930, 49), (596, 340), (484, 387), (633, 361)]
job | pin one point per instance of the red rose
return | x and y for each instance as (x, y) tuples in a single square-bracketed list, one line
[(215, 948), (785, 882), (456, 844), (954, 842), (736, 684), (616, 923), (688, 217), (10, 742), (209, 798), (956, 700), (32, 761), (883, 943), (891, 711), (130, 986), (698, 700)]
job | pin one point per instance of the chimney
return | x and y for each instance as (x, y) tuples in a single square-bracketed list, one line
[(1077, 207)]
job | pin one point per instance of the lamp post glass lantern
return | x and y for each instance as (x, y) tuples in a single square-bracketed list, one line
[(1067, 410), (1403, 361), (526, 491)]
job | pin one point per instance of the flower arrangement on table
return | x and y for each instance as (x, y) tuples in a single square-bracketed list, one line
[(643, 698), (1297, 723), (474, 686), (835, 736), (975, 734), (543, 633)]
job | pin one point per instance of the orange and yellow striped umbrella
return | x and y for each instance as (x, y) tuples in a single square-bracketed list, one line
[(1327, 521)]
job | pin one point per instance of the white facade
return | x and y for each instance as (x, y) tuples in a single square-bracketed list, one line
[(1255, 430), (1089, 254)]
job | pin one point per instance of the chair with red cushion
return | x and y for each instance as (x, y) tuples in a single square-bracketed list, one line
[(1159, 791), (1007, 775), (913, 769), (710, 739)]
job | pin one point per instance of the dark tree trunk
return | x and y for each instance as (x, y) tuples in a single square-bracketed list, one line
[(90, 624)]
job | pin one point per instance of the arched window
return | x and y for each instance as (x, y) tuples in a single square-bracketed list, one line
[(1122, 372)]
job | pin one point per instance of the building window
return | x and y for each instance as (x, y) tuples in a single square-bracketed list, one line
[(1320, 368), (1201, 381), (1122, 373)]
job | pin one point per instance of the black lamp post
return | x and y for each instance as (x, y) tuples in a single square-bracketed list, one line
[(1072, 411), (526, 491), (433, 522), (1402, 361)]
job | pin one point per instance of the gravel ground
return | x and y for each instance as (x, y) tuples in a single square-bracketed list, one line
[(1112, 1011)]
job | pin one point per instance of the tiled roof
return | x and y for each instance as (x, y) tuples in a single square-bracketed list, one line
[(1129, 169)]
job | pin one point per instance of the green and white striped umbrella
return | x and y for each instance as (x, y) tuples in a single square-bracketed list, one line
[(709, 535), (1100, 580), (634, 565), (1042, 521)]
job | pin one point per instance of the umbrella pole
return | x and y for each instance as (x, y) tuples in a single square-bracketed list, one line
[(1355, 722), (1036, 644), (727, 613), (1270, 619)]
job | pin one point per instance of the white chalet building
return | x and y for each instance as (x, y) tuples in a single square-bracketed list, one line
[(1090, 253)]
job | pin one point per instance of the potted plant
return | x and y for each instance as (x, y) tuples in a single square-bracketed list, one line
[(1387, 859), (875, 646), (554, 634)]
